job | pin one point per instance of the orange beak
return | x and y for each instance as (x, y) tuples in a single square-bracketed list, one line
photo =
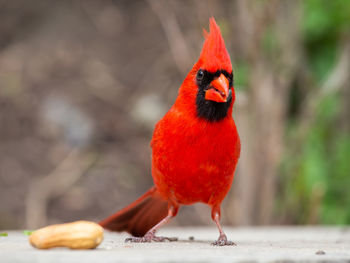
[(218, 90)]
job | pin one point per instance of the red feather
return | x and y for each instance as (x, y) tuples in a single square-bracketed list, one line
[(138, 217), (193, 159), (214, 54)]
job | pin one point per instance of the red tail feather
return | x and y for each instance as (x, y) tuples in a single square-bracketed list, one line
[(140, 216)]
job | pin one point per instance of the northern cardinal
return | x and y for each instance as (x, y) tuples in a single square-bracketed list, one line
[(195, 148)]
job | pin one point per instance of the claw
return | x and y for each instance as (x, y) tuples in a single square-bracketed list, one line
[(149, 238), (222, 241), (137, 240), (164, 239)]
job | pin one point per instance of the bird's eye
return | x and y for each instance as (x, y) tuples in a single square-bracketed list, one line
[(200, 75)]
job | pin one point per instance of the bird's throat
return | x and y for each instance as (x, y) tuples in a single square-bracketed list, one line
[(211, 110)]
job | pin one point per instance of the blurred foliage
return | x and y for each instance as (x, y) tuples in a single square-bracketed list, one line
[(325, 22), (27, 232), (241, 74), (316, 169), (270, 42)]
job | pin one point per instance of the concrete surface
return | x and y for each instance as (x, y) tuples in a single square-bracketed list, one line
[(273, 244)]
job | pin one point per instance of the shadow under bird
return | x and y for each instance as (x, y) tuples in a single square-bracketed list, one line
[(195, 149)]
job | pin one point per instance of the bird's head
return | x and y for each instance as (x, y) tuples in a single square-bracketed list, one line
[(210, 82)]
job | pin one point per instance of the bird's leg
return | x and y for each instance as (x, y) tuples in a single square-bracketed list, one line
[(150, 235), (222, 240)]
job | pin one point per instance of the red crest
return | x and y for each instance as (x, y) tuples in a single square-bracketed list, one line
[(214, 55)]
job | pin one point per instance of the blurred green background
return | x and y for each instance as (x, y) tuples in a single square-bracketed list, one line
[(82, 84)]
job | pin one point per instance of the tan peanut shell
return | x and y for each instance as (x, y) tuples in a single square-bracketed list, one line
[(76, 235)]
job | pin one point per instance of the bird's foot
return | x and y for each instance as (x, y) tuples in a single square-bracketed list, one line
[(149, 237), (222, 241), (137, 240), (164, 239)]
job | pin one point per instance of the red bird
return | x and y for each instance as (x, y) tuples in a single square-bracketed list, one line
[(195, 149)]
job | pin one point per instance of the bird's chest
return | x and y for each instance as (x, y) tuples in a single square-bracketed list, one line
[(192, 163)]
